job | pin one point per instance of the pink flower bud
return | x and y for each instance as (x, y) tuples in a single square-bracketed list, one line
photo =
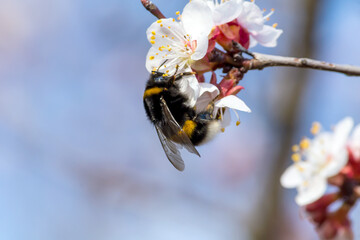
[(322, 203)]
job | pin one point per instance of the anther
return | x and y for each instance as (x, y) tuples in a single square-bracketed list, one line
[(237, 123), (159, 21), (222, 129), (152, 42), (304, 144), (151, 57), (177, 13), (296, 157), (275, 25), (315, 129), (295, 148)]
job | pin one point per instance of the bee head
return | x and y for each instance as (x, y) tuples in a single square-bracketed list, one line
[(160, 77)]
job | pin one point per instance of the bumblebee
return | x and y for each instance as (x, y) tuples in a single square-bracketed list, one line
[(176, 122)]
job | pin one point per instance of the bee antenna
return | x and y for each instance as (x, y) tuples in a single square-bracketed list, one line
[(161, 65)]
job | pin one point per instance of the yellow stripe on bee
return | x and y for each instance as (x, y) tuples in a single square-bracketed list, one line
[(189, 127), (152, 91)]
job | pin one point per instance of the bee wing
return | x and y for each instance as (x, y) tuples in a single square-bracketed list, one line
[(171, 150), (172, 130)]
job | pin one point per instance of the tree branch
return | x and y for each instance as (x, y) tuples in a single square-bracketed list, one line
[(261, 61), (152, 8)]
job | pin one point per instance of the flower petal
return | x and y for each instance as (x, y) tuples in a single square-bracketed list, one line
[(226, 11), (294, 175), (355, 137), (226, 119), (154, 59), (355, 142), (196, 19), (190, 87), (202, 43), (197, 22), (309, 192), (251, 17), (335, 165), (207, 93), (267, 36), (234, 102), (158, 31), (341, 134)]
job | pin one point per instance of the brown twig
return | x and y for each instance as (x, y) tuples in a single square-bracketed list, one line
[(261, 61), (152, 8)]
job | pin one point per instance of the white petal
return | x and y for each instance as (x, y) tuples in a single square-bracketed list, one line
[(161, 28), (267, 36), (189, 85), (196, 19), (202, 47), (234, 102), (341, 134), (355, 142), (207, 93), (253, 41), (226, 119), (154, 59), (294, 175), (226, 12), (251, 17), (197, 22), (336, 164), (355, 137), (319, 149), (311, 191)]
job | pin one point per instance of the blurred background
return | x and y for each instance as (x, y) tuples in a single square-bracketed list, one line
[(79, 160)]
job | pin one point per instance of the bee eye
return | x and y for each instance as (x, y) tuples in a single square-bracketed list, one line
[(158, 79)]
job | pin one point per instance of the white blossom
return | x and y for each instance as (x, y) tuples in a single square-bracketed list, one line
[(176, 45), (251, 18), (316, 161)]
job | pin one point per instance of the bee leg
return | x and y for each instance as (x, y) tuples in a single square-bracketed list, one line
[(180, 75), (174, 77)]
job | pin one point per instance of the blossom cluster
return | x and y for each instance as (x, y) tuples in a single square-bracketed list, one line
[(185, 44), (329, 159)]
